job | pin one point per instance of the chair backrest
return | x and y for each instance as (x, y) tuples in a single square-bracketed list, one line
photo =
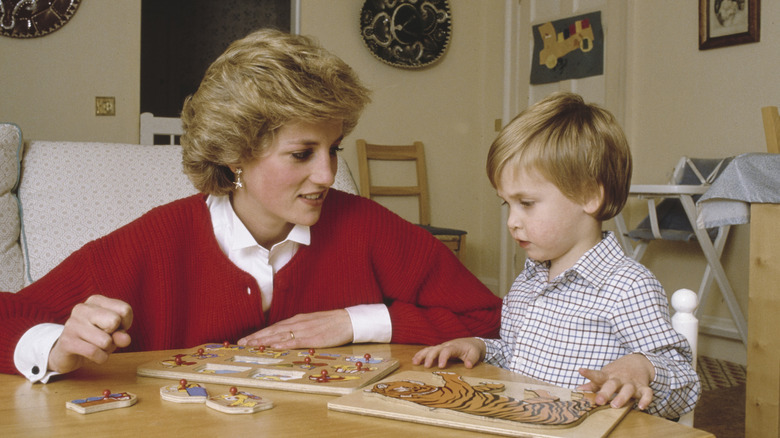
[(771, 128), (160, 130), (414, 152), (698, 171)]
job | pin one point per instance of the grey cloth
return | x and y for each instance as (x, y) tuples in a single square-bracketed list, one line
[(749, 178)]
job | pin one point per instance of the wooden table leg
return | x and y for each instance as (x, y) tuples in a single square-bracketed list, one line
[(762, 410)]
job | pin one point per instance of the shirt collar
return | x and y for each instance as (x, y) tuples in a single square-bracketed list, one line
[(594, 266), (597, 264), (235, 233)]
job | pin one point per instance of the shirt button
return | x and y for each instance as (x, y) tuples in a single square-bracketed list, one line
[(35, 370)]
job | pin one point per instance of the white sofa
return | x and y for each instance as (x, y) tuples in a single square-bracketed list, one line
[(57, 196)]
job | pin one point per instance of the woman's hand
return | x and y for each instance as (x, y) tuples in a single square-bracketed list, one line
[(329, 328), (94, 330), (626, 378), (469, 350)]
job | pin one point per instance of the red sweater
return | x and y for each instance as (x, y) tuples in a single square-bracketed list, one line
[(184, 291)]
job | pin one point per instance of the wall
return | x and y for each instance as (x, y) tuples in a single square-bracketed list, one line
[(48, 85), (680, 101), (683, 101), (450, 106)]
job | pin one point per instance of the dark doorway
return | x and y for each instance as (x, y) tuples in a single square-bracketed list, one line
[(180, 38)]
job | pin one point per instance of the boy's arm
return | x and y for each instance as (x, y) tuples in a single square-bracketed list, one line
[(497, 352), (676, 387), (643, 325)]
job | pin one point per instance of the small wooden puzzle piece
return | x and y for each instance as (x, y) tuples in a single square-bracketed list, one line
[(238, 402), (358, 368), (184, 392), (325, 377), (458, 395), (105, 402), (177, 361)]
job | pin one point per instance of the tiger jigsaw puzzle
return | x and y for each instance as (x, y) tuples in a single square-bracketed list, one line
[(501, 407)]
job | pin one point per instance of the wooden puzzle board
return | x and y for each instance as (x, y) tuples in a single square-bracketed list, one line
[(288, 370), (598, 423)]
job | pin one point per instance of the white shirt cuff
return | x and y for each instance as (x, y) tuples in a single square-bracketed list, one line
[(31, 355), (370, 323)]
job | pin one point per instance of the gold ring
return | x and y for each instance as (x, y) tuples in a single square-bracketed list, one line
[(292, 335)]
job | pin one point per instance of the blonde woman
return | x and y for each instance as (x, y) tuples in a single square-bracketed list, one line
[(267, 253)]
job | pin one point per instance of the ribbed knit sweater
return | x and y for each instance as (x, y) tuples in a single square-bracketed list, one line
[(184, 291)]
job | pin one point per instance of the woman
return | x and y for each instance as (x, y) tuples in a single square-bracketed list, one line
[(266, 254)]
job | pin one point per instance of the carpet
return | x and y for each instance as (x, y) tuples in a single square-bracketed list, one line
[(721, 408)]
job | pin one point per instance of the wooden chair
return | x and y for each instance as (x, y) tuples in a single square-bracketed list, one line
[(684, 303), (771, 128), (453, 238), (160, 130)]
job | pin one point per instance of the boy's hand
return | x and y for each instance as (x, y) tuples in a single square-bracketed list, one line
[(469, 350), (94, 330), (626, 378)]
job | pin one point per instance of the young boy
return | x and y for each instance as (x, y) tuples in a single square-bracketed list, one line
[(582, 314)]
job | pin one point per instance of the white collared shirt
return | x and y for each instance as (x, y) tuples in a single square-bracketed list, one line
[(237, 243), (370, 322)]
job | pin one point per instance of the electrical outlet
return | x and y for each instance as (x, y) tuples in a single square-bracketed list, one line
[(105, 106)]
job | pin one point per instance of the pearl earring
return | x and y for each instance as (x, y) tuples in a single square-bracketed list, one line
[(238, 183)]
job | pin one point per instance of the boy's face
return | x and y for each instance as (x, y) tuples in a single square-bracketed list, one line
[(544, 222)]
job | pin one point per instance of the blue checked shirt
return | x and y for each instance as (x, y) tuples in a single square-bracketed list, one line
[(604, 307)]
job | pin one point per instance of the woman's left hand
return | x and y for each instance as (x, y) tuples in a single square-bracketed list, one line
[(329, 328)]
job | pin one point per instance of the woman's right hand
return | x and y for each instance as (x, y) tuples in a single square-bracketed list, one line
[(94, 330)]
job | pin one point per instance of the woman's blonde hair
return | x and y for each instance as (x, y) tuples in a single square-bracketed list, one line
[(578, 147), (261, 82)]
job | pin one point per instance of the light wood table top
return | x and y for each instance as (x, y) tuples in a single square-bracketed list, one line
[(37, 410)]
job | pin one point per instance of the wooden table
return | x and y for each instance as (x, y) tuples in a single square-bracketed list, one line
[(762, 403), (37, 410), (746, 192)]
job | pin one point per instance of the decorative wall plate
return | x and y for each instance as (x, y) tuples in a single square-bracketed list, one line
[(406, 33), (30, 18)]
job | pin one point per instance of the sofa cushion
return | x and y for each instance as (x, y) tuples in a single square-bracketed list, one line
[(72, 193), (11, 264)]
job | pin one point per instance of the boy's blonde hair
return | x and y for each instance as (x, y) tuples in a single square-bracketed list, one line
[(578, 147), (261, 82)]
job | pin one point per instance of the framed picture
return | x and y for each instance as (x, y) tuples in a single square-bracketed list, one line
[(728, 22)]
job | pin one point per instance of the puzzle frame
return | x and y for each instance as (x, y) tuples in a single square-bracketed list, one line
[(598, 423), (334, 371)]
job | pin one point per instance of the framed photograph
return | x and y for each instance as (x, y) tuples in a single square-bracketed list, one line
[(728, 22)]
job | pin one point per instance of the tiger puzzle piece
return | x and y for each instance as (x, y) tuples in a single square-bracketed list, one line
[(426, 397), (482, 400), (184, 392), (105, 402), (238, 402)]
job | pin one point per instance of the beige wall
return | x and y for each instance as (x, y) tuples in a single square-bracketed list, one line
[(48, 85), (450, 106), (682, 101), (679, 101)]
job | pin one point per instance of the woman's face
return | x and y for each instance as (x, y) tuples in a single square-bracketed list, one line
[(288, 184)]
